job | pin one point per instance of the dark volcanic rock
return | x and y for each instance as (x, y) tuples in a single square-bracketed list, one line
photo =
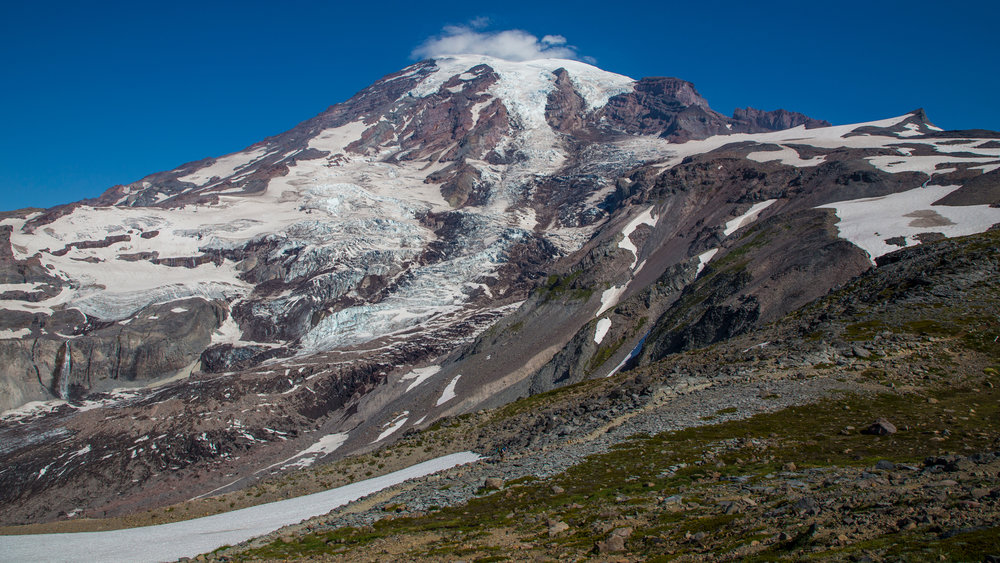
[(777, 120)]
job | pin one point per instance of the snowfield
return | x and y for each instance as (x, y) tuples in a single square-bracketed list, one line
[(169, 542), (870, 222)]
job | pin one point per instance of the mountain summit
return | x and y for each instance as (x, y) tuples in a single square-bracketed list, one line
[(461, 233)]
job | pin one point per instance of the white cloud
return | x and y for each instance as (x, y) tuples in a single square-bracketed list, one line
[(512, 44)]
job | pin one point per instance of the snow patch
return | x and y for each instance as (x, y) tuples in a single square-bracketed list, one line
[(986, 168), (910, 130), (786, 155), (419, 375), (449, 392), (609, 298), (327, 444), (10, 334), (169, 542), (392, 426), (644, 218), (749, 217), (926, 164), (869, 222), (602, 330), (704, 258)]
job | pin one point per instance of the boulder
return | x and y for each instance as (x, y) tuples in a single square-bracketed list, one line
[(881, 427)]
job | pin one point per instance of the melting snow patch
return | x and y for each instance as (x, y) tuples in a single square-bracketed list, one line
[(178, 310), (11, 334), (169, 542), (419, 376), (609, 298), (644, 218), (602, 330), (327, 444), (704, 258), (869, 222), (449, 392), (925, 164), (32, 409), (749, 217), (986, 168), (911, 130), (786, 155), (393, 426)]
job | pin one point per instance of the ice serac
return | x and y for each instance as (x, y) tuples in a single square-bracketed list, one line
[(461, 233)]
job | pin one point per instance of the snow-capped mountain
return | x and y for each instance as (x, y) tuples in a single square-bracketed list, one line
[(461, 233)]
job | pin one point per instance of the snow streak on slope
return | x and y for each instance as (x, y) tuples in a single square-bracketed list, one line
[(449, 391), (705, 257), (419, 376), (749, 217), (169, 542), (601, 331), (644, 218)]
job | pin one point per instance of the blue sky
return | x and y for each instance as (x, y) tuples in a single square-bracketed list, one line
[(103, 93)]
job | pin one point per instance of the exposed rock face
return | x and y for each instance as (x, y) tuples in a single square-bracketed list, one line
[(457, 235), (666, 107), (161, 340), (777, 119)]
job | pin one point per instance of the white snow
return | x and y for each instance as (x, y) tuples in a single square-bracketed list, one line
[(822, 137), (31, 409), (609, 298), (787, 155), (603, 326), (533, 78), (419, 375), (869, 222), (704, 258), (229, 333), (325, 445), (910, 130), (169, 542), (12, 334), (926, 164), (644, 218), (449, 392), (987, 167), (223, 167), (26, 287), (749, 217), (392, 426), (178, 310)]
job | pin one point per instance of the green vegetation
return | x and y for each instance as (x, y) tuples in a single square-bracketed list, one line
[(565, 286), (633, 475)]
